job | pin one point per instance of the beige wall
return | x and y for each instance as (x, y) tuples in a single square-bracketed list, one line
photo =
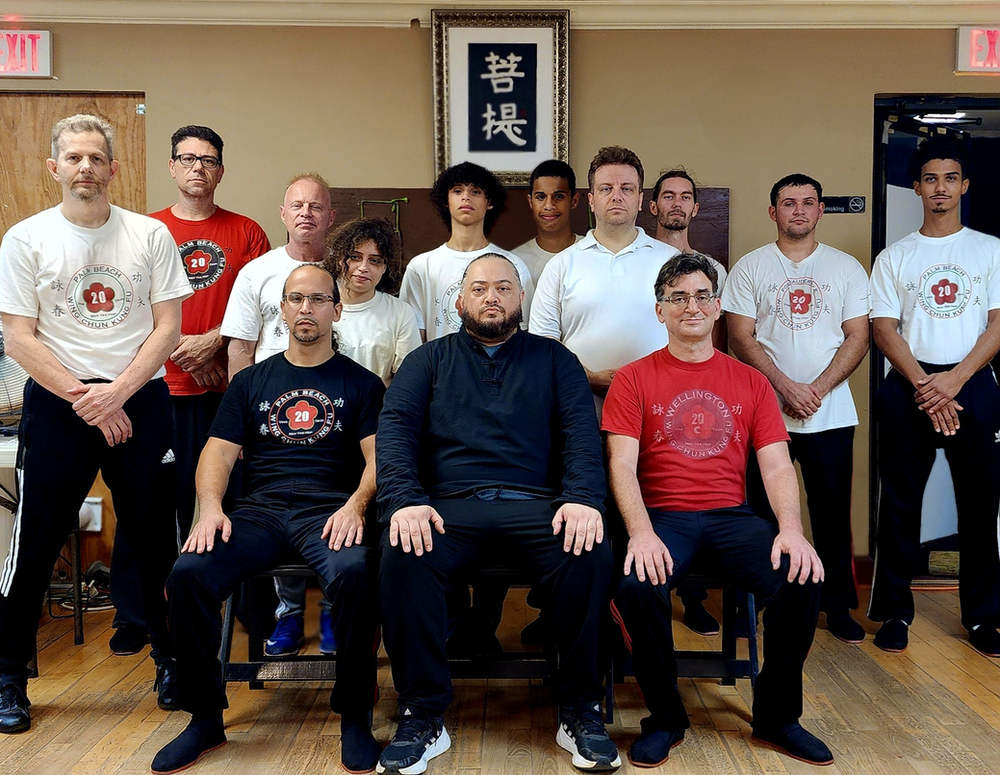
[(738, 108)]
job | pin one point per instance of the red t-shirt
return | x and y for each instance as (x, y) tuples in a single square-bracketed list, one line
[(696, 423), (213, 251)]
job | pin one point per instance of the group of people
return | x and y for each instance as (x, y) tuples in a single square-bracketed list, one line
[(396, 444)]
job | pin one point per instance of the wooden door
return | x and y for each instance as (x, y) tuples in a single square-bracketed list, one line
[(26, 120)]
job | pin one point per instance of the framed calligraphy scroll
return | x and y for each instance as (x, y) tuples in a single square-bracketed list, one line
[(501, 90)]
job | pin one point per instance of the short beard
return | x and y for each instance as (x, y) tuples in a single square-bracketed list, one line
[(85, 195), (314, 335), (494, 330)]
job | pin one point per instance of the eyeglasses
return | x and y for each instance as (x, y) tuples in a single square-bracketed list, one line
[(680, 300), (315, 299), (208, 162)]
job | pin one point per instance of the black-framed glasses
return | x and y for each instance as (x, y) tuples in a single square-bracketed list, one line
[(189, 159), (680, 300), (315, 299)]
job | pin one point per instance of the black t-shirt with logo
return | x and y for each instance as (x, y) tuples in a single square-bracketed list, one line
[(301, 423)]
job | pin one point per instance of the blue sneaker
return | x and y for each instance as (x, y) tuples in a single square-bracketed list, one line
[(287, 639), (415, 743), (327, 643), (583, 734)]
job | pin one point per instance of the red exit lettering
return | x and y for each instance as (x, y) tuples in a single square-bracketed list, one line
[(21, 55), (980, 41)]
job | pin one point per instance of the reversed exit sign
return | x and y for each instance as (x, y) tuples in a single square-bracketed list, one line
[(978, 50), (25, 54)]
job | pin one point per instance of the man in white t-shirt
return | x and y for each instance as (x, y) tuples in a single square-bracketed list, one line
[(936, 318), (798, 312), (91, 308), (253, 321), (552, 198), (469, 199), (596, 297)]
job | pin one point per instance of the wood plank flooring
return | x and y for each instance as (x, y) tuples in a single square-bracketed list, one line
[(934, 710)]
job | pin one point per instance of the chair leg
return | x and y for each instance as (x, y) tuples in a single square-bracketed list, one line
[(225, 650), (752, 638), (728, 631), (77, 578)]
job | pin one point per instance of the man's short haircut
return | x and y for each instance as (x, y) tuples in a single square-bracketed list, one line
[(315, 177), (677, 172), (939, 147), (469, 174), (681, 265), (352, 235), (614, 154), (205, 133), (795, 179), (320, 265), (80, 123), (553, 168), (502, 257)]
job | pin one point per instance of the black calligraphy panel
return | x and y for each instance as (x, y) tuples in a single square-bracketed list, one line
[(503, 81)]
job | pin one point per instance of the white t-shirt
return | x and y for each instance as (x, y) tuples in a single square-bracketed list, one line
[(535, 257), (799, 310), (940, 289), (600, 304), (254, 309), (378, 333), (91, 290), (433, 279), (721, 271)]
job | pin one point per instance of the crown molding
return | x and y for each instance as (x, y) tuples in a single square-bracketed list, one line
[(584, 14)]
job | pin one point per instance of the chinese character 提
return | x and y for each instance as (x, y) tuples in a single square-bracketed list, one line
[(502, 72), (508, 124)]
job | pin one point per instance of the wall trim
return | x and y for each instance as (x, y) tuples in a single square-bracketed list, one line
[(584, 14)]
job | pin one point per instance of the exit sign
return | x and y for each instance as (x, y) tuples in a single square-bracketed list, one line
[(978, 50), (25, 54)]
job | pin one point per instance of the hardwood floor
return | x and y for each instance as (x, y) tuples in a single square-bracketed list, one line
[(933, 710)]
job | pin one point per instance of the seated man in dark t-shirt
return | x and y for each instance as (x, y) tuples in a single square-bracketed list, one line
[(489, 438), (305, 422)]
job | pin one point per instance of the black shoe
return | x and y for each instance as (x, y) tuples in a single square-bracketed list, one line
[(583, 734), (652, 747), (359, 750), (416, 742), (166, 685), (14, 716), (698, 620), (843, 627), (128, 640), (893, 636), (797, 743), (985, 640), (199, 737)]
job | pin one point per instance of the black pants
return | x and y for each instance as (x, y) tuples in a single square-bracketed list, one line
[(907, 444), (414, 592), (267, 526), (827, 462), (59, 456), (192, 420), (740, 544)]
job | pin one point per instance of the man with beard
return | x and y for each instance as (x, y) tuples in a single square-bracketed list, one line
[(305, 424), (91, 306), (488, 448), (798, 312)]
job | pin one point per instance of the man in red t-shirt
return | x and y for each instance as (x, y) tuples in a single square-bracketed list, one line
[(680, 424), (214, 244)]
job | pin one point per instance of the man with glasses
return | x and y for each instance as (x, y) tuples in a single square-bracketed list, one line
[(305, 424), (680, 424), (215, 244), (256, 331), (798, 312)]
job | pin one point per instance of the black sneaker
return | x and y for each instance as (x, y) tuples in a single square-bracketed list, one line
[(14, 716), (166, 685), (200, 736), (698, 620), (582, 733), (893, 636), (416, 742), (797, 743), (985, 640), (128, 640), (843, 627)]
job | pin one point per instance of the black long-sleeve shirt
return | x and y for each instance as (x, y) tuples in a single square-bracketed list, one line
[(455, 419)]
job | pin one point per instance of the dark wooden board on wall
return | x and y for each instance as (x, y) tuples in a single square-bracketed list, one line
[(422, 229)]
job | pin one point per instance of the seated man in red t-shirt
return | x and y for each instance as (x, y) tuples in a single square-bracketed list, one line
[(680, 424)]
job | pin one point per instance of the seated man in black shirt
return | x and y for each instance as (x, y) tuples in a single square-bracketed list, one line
[(305, 422), (488, 448)]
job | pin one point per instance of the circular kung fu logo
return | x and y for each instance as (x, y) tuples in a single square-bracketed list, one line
[(99, 296), (301, 416), (799, 303), (448, 309), (698, 424), (944, 291), (204, 262)]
